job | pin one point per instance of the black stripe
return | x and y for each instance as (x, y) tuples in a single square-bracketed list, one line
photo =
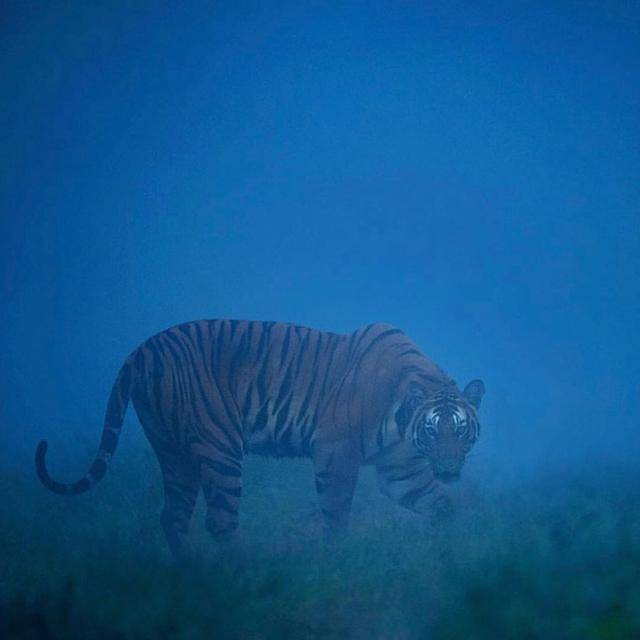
[(227, 470), (315, 355), (306, 433), (98, 469), (246, 405), (261, 379), (283, 414), (410, 498), (285, 345), (262, 419), (222, 503), (109, 440), (284, 441), (249, 334), (208, 406), (333, 344), (409, 352), (307, 398), (301, 353), (234, 325), (266, 332), (361, 338), (285, 387), (236, 358), (406, 476), (227, 448), (220, 341), (378, 338)]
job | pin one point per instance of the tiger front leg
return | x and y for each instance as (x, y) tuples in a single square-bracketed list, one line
[(221, 480), (336, 468), (410, 482)]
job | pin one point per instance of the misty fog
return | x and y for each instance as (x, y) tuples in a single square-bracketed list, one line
[(467, 172)]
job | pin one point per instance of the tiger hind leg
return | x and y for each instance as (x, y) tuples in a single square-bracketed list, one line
[(221, 480), (181, 486), (180, 475)]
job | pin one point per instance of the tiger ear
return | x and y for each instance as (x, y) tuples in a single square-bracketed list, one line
[(473, 392), (414, 397)]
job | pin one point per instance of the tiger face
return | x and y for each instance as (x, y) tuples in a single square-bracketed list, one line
[(444, 426)]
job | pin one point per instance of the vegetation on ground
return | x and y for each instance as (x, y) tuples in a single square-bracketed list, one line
[(553, 557)]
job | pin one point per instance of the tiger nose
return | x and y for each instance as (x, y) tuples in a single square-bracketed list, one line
[(448, 469)]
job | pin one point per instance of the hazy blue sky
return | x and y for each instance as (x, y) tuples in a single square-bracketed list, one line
[(467, 171)]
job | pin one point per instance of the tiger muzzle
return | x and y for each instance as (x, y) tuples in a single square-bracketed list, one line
[(448, 471)]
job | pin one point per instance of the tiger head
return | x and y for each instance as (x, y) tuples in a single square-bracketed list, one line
[(442, 425)]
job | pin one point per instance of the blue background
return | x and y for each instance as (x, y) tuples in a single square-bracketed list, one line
[(467, 171)]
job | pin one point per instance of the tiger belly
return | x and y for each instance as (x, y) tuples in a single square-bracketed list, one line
[(274, 436)]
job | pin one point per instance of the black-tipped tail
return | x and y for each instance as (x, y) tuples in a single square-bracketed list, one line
[(116, 409), (95, 473)]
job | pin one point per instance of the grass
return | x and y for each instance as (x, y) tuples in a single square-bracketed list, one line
[(556, 557)]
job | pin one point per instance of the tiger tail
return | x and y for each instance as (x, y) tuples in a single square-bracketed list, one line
[(116, 409)]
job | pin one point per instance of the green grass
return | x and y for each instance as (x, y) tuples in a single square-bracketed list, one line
[(557, 557)]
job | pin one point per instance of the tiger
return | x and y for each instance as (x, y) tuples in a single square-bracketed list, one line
[(208, 392)]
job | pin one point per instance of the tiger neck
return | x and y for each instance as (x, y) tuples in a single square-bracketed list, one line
[(387, 435)]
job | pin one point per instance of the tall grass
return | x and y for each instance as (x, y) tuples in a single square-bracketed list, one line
[(557, 557)]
